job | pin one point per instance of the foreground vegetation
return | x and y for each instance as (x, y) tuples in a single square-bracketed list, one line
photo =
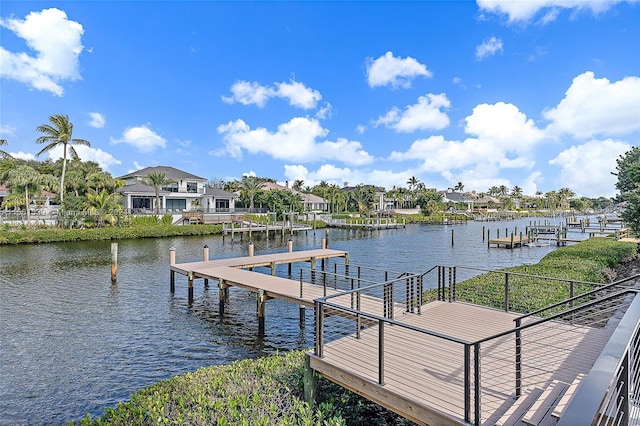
[(270, 390), (49, 235), (252, 392)]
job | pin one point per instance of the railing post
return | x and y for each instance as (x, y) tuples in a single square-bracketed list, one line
[(420, 294), (476, 388), (467, 383), (381, 352), (454, 283), (623, 384), (407, 295), (450, 281), (506, 292), (319, 311), (518, 358), (440, 293)]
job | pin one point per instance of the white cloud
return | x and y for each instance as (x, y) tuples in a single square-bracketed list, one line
[(593, 106), (104, 159), (248, 93), (504, 126), (5, 129), (23, 155), (295, 140), (325, 112), (503, 138), (298, 95), (586, 169), (425, 115), (97, 120), (397, 72), (141, 138), (57, 44), (361, 129), (523, 11), (489, 47)]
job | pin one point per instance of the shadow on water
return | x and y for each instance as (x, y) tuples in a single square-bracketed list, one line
[(72, 343)]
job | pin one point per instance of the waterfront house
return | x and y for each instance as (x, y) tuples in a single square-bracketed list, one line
[(186, 192)]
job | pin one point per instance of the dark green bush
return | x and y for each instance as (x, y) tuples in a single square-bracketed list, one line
[(93, 234)]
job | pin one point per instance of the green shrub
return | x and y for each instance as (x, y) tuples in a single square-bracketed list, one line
[(148, 220), (94, 234), (264, 391), (167, 220)]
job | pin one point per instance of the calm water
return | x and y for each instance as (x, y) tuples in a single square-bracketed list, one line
[(72, 343)]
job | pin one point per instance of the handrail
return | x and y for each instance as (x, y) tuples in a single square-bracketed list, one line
[(559, 314), (588, 399), (393, 322), (355, 290), (520, 274), (555, 305)]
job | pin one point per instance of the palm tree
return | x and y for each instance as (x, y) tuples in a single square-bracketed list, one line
[(516, 191), (28, 179), (250, 185), (565, 194), (4, 154), (412, 182), (297, 184), (60, 133), (156, 180), (98, 203)]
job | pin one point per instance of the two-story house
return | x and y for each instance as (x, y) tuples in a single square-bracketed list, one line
[(185, 192)]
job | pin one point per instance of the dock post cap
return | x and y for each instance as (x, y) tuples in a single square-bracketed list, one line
[(172, 248)]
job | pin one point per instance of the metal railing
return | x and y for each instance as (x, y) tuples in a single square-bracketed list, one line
[(610, 393), (550, 336)]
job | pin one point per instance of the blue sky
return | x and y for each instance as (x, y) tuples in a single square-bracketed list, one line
[(542, 94)]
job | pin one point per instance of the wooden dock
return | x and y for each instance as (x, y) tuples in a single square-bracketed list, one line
[(424, 374), (231, 273), (509, 242)]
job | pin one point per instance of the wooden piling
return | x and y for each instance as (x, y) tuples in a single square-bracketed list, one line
[(205, 257), (172, 273), (221, 296), (190, 286), (452, 239), (261, 302), (114, 262), (310, 384), (290, 248)]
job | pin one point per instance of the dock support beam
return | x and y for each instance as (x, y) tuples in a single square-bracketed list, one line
[(302, 316), (222, 289), (290, 248), (310, 384), (114, 262), (261, 301), (172, 273), (205, 257), (190, 286)]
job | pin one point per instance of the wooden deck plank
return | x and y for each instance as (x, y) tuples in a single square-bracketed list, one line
[(259, 260)]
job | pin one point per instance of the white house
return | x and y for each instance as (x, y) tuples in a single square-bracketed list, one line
[(186, 192)]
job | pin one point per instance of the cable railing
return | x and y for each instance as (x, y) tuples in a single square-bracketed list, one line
[(469, 379)]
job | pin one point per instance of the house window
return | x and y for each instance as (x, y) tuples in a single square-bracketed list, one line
[(192, 187), (172, 187), (176, 204), (222, 205), (140, 203)]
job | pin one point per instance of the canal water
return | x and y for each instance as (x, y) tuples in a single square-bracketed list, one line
[(72, 343)]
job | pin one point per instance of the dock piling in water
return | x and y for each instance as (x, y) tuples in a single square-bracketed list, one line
[(172, 273), (114, 262), (190, 286)]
